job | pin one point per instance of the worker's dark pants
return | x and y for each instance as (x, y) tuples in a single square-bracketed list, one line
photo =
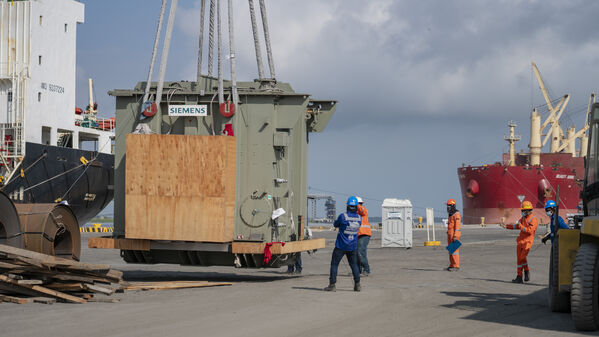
[(363, 265), (297, 266), (352, 259)]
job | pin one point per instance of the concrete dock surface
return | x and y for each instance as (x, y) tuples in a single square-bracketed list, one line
[(409, 293)]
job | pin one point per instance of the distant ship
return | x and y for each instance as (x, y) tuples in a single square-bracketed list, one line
[(495, 191), (50, 151)]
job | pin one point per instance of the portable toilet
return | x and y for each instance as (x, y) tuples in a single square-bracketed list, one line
[(397, 223)]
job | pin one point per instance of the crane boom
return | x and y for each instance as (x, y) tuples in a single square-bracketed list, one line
[(542, 86)]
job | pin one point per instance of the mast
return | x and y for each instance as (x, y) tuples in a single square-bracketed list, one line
[(535, 138), (584, 138), (91, 96), (512, 139)]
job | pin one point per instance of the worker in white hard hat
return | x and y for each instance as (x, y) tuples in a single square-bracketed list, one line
[(364, 235)]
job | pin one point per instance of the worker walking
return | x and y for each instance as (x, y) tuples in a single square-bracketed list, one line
[(364, 235), (346, 243), (550, 209), (528, 226), (454, 233)]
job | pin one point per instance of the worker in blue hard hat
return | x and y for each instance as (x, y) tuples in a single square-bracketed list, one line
[(551, 210), (346, 244)]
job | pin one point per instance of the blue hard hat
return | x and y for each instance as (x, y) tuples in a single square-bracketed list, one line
[(550, 203), (352, 201)]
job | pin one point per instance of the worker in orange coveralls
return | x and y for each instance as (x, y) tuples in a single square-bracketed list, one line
[(454, 224), (364, 235), (528, 226)]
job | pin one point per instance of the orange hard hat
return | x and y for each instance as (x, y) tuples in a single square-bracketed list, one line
[(450, 202), (526, 205)]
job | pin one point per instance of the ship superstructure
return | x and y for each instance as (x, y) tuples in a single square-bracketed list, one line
[(495, 191), (49, 150)]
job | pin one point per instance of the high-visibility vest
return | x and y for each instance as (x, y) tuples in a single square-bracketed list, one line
[(454, 227), (365, 228)]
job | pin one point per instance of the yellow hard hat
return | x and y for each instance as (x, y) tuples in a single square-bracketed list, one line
[(526, 205)]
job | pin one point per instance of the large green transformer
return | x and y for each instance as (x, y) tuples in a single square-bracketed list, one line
[(271, 125)]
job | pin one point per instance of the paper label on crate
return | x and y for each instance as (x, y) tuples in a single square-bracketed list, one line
[(277, 213), (187, 110)]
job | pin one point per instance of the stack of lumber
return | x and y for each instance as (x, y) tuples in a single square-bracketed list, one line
[(27, 276)]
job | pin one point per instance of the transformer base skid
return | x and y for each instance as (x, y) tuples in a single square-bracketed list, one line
[(237, 254)]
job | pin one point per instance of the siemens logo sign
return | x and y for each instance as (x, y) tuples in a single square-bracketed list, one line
[(187, 110)]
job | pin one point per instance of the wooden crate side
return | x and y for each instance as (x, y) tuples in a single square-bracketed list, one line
[(113, 243), (183, 188), (229, 185)]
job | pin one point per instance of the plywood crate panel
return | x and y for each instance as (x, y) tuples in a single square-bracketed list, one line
[(180, 187)]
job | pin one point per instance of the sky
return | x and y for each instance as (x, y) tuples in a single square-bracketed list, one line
[(423, 86)]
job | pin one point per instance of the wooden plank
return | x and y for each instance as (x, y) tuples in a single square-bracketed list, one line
[(13, 299), (290, 247), (44, 300), (113, 243), (64, 276), (98, 289), (70, 287), (171, 285), (30, 282), (10, 266), (180, 188), (43, 260), (42, 290)]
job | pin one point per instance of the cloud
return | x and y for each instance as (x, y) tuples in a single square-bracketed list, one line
[(423, 86)]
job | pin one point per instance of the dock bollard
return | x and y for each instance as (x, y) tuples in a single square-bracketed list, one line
[(482, 221)]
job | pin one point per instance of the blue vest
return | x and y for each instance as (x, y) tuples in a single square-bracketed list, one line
[(560, 223), (349, 225)]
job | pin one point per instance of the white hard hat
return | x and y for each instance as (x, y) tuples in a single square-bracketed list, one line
[(360, 201)]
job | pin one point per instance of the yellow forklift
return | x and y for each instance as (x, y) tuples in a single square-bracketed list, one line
[(574, 263)]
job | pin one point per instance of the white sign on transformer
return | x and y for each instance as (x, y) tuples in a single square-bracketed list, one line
[(187, 110)]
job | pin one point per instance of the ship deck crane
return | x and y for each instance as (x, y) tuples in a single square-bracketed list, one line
[(559, 140)]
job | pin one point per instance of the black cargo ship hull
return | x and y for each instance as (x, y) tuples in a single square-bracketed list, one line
[(53, 174)]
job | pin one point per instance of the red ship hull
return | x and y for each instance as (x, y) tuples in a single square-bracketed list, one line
[(495, 191)]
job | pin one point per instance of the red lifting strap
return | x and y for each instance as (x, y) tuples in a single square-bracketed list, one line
[(267, 253)]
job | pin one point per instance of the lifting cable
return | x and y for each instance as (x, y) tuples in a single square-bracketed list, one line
[(156, 41), (201, 42), (232, 54), (165, 50), (256, 40), (271, 64), (211, 38), (221, 95)]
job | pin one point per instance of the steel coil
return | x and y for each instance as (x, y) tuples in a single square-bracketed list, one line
[(50, 229), (10, 228)]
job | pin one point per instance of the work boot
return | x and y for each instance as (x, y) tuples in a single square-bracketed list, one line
[(526, 275), (331, 287), (454, 268), (357, 287), (518, 279)]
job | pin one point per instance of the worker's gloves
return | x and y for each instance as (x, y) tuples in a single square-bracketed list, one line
[(544, 239)]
